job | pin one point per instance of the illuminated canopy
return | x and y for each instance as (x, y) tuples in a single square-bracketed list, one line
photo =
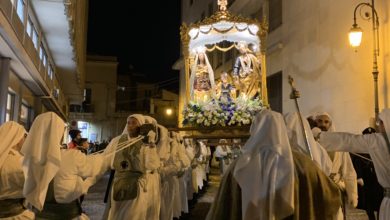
[(222, 26), (223, 31), (209, 33)]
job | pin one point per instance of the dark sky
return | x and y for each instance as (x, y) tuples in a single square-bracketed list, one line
[(121, 28)]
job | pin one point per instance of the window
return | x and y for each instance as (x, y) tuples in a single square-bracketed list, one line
[(41, 52), (32, 32), (275, 14), (10, 101), (20, 9), (25, 115), (50, 72), (35, 37), (44, 60), (55, 93), (29, 27), (24, 112), (87, 95), (43, 56)]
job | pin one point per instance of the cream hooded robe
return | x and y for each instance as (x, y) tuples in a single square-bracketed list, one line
[(147, 204), (265, 170), (11, 172), (72, 172)]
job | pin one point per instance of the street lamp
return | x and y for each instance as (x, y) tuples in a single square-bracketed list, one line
[(169, 111), (355, 38)]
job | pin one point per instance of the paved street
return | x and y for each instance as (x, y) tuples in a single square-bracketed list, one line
[(93, 203), (94, 207)]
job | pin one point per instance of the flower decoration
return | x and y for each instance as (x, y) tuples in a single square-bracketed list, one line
[(218, 113)]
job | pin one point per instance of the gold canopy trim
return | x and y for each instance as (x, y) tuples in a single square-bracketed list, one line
[(224, 16), (221, 26)]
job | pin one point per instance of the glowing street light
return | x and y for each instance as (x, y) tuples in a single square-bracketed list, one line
[(355, 38), (169, 111)]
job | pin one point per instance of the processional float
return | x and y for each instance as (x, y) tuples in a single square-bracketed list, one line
[(207, 105)]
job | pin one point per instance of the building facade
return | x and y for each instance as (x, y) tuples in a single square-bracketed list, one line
[(309, 41), (134, 92), (42, 57), (96, 116), (109, 98), (164, 108)]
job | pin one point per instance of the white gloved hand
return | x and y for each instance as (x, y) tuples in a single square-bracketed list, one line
[(151, 137), (316, 132), (360, 182)]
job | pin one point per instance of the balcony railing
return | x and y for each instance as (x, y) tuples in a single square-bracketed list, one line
[(85, 108)]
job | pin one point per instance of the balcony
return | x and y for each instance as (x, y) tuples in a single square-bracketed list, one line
[(29, 66), (81, 112)]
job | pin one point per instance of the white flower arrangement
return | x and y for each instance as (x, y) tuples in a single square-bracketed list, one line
[(216, 113)]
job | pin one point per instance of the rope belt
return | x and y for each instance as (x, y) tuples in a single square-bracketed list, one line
[(11, 207), (58, 211), (386, 192)]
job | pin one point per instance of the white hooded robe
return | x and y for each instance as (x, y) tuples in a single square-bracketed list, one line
[(374, 144)]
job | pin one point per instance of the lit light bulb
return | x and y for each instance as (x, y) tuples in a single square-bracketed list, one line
[(355, 36), (169, 111)]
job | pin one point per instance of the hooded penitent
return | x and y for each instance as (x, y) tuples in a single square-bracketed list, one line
[(265, 170), (297, 141), (42, 156), (10, 135)]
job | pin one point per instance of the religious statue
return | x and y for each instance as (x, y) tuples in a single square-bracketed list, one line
[(222, 5), (202, 78), (225, 90), (247, 72)]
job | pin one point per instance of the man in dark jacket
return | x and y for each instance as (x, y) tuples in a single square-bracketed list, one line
[(76, 137)]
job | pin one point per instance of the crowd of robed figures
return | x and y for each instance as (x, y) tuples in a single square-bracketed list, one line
[(156, 172), (276, 179)]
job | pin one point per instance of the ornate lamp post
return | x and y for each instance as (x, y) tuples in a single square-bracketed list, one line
[(355, 37)]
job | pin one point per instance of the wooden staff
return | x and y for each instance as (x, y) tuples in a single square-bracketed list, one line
[(295, 95)]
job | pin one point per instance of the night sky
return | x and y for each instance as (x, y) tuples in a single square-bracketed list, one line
[(151, 47)]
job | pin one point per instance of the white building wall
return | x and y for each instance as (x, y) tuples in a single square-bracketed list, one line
[(330, 75), (312, 46)]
